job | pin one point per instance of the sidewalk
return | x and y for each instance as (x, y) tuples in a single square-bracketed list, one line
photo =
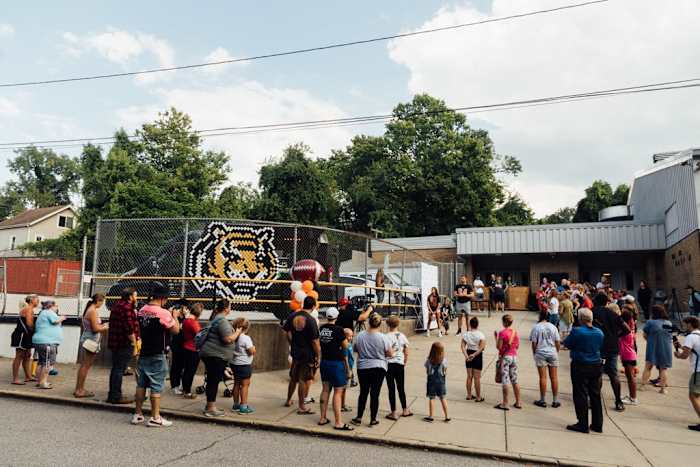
[(653, 433)]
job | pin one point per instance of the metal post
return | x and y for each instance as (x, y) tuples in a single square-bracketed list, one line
[(81, 287), (403, 266), (294, 254), (96, 255), (366, 262), (4, 285), (184, 258)]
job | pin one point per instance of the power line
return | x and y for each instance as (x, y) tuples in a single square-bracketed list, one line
[(301, 51), (360, 120)]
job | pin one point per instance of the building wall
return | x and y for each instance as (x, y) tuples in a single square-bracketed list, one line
[(555, 263), (48, 228), (20, 234), (682, 267), (437, 255)]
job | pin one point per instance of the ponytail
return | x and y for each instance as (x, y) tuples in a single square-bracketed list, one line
[(98, 297)]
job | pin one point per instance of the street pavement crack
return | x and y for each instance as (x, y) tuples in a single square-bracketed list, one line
[(198, 451)]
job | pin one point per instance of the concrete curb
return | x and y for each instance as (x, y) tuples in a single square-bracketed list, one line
[(287, 428)]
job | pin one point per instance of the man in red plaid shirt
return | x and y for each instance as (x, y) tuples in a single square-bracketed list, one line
[(122, 341)]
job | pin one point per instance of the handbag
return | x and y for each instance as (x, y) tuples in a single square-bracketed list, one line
[(91, 345)]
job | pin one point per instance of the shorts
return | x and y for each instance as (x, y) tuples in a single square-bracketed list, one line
[(554, 319), (464, 308), (152, 370), (436, 389), (694, 383), (546, 360), (46, 354), (480, 296), (610, 364), (626, 363), (241, 372), (477, 363), (301, 371), (499, 296), (563, 327), (333, 373), (509, 370)]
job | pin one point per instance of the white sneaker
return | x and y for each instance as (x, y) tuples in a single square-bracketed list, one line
[(160, 423), (627, 400), (439, 333), (427, 334), (177, 391), (137, 419)]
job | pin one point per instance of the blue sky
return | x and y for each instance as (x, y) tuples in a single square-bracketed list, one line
[(584, 49)]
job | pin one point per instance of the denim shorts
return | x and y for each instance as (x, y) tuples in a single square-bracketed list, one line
[(333, 373), (241, 372), (152, 370), (46, 354), (546, 360)]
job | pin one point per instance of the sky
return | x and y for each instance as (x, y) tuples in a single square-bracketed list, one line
[(562, 148)]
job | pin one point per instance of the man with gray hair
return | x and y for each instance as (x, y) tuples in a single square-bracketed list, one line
[(585, 342)]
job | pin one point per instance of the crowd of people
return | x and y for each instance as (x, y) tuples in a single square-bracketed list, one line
[(596, 325)]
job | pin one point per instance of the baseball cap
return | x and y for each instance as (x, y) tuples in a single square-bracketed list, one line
[(344, 301), (332, 313)]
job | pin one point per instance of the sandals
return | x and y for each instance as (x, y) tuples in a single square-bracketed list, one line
[(480, 399), (85, 395), (305, 412), (500, 407), (321, 423), (356, 421), (409, 414), (346, 409), (19, 383), (428, 419), (345, 427), (516, 406), (374, 422), (391, 417), (44, 386), (447, 420), (470, 398)]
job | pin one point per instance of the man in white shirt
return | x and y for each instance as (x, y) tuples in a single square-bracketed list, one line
[(691, 350), (479, 291)]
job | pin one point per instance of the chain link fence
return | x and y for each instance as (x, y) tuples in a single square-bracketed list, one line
[(251, 262)]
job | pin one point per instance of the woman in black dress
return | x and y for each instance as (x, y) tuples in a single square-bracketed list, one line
[(434, 310), (644, 299)]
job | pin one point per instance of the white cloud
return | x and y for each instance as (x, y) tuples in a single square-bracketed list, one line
[(565, 147), (7, 107), (220, 54), (123, 48), (248, 103), (6, 30)]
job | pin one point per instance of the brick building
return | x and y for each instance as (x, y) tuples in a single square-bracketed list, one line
[(655, 237)]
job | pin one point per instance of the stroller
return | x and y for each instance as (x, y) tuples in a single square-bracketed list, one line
[(228, 383)]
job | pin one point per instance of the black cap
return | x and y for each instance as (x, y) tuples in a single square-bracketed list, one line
[(159, 290), (309, 303)]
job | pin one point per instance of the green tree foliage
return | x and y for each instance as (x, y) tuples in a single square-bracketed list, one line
[(560, 216), (296, 189), (428, 174), (43, 178), (599, 196), (238, 201), (514, 211), (11, 203)]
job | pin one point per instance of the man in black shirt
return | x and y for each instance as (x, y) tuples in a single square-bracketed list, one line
[(335, 369), (463, 305), (613, 328), (349, 314), (302, 334)]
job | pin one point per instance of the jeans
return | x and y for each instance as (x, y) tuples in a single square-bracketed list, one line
[(191, 363), (371, 380), (610, 369), (394, 380), (586, 380), (177, 366), (215, 368), (120, 360)]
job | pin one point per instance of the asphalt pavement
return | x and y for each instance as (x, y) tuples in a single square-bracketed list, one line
[(41, 434)]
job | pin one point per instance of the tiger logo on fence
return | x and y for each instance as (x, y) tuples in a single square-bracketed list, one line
[(234, 252)]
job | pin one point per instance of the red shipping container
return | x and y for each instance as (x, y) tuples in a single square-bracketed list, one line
[(49, 277)]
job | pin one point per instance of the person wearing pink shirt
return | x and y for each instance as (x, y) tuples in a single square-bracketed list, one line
[(628, 354), (508, 342)]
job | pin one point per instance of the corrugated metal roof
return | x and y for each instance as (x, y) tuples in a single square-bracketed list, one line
[(415, 243), (583, 237)]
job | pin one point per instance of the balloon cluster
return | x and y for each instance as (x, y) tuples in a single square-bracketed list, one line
[(301, 290)]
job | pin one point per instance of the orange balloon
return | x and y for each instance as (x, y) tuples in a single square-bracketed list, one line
[(307, 286), (313, 294), (294, 305)]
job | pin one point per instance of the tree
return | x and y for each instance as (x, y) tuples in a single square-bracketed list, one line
[(44, 178), (560, 216), (237, 201), (11, 203), (599, 196), (428, 174), (296, 189), (514, 211)]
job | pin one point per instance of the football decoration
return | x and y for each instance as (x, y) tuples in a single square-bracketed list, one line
[(307, 270)]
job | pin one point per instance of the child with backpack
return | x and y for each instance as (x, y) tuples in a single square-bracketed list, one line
[(436, 369)]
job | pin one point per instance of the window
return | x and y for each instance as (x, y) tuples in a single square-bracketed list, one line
[(65, 221), (39, 238), (13, 240)]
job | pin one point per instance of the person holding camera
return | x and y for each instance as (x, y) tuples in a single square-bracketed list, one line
[(349, 314), (691, 350)]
